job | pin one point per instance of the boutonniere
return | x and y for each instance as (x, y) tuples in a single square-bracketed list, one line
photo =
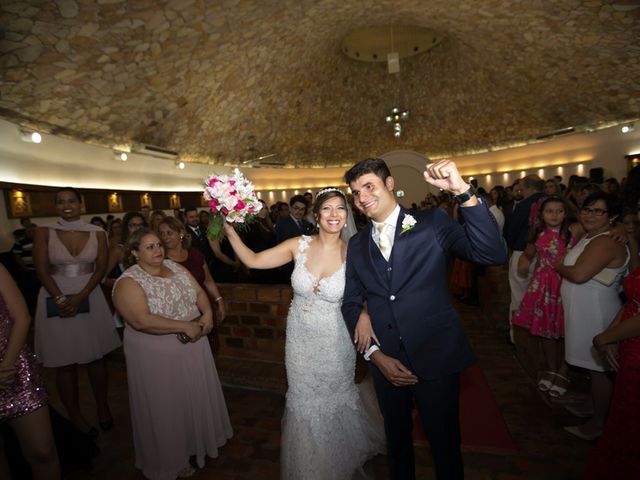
[(408, 222)]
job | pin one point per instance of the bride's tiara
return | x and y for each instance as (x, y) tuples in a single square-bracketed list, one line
[(330, 189)]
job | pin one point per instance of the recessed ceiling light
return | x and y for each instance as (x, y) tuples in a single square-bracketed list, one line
[(30, 136)]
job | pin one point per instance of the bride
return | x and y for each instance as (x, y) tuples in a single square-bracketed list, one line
[(330, 427)]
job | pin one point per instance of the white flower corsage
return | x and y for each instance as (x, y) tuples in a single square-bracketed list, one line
[(408, 222)]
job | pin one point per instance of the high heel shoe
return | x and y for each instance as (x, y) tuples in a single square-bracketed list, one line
[(106, 425)]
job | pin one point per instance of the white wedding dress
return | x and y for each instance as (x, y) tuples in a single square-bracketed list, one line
[(331, 426)]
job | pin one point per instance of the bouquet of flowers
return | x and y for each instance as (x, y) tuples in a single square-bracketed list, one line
[(231, 198)]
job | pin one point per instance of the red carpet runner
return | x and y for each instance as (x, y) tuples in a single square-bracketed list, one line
[(483, 428)]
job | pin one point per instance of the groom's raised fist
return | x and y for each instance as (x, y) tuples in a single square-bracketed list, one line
[(445, 176)]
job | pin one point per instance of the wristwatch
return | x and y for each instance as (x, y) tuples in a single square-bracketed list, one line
[(463, 197)]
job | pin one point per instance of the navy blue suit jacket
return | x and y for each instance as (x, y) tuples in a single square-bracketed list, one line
[(286, 228), (407, 297)]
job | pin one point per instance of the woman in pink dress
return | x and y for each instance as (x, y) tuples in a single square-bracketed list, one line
[(23, 400), (74, 324), (177, 405), (541, 310)]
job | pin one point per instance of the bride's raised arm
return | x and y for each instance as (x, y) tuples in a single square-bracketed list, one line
[(277, 256)]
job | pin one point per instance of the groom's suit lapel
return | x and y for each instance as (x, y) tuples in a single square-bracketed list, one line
[(400, 245)]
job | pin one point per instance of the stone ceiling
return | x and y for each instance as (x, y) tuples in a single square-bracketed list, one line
[(229, 81)]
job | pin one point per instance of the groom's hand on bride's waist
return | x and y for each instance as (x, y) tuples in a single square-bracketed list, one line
[(393, 370)]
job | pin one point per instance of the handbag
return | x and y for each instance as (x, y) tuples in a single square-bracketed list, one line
[(606, 277), (54, 311)]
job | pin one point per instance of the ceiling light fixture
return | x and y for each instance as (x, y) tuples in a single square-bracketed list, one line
[(180, 165), (30, 136), (396, 116), (627, 128), (120, 155)]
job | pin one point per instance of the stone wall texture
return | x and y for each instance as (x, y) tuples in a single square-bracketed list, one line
[(226, 81)]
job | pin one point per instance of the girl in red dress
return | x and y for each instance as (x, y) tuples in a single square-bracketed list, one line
[(541, 309)]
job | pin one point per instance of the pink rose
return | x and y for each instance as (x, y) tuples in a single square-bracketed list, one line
[(240, 205), (213, 204)]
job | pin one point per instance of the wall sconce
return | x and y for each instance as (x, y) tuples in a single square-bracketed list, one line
[(115, 203), (174, 201), (20, 204), (30, 136), (145, 201)]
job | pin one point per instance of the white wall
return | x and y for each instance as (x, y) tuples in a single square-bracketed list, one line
[(58, 162)]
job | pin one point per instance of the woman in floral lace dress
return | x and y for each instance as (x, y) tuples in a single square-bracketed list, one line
[(330, 426), (177, 405)]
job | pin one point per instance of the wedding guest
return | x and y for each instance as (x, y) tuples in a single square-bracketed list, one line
[(23, 400), (98, 222), (291, 226), (155, 218), (327, 429), (114, 232), (516, 232), (611, 186), (131, 222), (73, 321), (204, 219), (616, 455), (198, 236), (551, 188), (177, 405), (146, 212), (176, 247), (591, 273), (496, 200), (261, 236), (541, 311), (631, 190)]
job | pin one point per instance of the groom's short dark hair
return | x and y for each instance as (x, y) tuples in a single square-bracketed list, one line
[(376, 166)]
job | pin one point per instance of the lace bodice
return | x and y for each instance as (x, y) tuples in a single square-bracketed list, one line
[(308, 286), (173, 297)]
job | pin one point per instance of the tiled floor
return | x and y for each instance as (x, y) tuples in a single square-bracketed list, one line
[(545, 451)]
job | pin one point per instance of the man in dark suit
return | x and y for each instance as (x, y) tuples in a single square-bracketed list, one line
[(398, 266), (292, 226), (198, 235)]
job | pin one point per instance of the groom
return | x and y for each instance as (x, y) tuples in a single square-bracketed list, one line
[(398, 266)]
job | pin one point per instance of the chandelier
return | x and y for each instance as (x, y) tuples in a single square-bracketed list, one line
[(397, 116)]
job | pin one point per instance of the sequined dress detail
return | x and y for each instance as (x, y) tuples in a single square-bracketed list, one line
[(26, 394), (331, 426)]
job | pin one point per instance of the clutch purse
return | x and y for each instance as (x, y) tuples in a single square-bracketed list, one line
[(54, 311), (183, 337), (606, 277)]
